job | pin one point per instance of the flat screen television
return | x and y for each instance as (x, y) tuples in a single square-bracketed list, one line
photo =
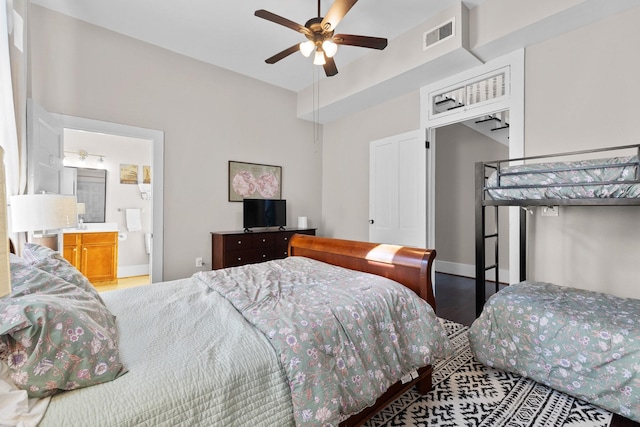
[(264, 213)]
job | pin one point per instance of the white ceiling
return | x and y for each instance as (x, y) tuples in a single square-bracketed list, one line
[(227, 34)]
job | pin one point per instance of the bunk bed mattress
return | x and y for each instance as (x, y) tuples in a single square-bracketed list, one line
[(539, 181), (583, 343), (222, 370)]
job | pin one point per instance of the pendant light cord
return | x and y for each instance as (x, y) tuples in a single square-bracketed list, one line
[(316, 105)]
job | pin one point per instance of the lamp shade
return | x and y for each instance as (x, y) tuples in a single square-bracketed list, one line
[(5, 277), (318, 59), (81, 209), (42, 212), (307, 47), (329, 47)]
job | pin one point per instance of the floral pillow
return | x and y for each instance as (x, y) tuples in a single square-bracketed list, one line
[(54, 335), (52, 262)]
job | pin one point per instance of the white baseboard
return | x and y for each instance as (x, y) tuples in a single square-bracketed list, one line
[(467, 270), (133, 270)]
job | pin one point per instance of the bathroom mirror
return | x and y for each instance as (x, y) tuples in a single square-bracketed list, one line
[(90, 188)]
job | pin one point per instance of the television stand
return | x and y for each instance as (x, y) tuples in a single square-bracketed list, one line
[(234, 248)]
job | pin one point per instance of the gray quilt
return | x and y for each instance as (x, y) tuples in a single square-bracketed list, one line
[(586, 179), (583, 343)]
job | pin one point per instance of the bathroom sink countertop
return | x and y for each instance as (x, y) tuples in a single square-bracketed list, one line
[(94, 227)]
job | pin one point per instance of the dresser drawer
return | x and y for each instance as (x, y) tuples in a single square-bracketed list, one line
[(237, 242), (248, 256), (263, 240)]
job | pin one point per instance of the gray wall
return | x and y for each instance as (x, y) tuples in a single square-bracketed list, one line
[(582, 92), (345, 178), (209, 116)]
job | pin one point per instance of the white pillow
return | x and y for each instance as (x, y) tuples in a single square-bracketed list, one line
[(16, 408)]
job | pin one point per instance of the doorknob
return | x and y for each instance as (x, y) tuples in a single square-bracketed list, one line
[(371, 221)]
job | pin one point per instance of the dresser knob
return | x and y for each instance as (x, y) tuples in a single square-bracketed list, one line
[(239, 258), (239, 242), (286, 238), (264, 240)]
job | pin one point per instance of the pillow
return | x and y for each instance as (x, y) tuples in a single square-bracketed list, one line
[(54, 335), (52, 262)]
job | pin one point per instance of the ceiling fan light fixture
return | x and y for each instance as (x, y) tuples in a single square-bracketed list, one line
[(330, 48), (319, 58), (307, 47)]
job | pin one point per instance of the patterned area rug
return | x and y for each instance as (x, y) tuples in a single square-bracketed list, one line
[(467, 393)]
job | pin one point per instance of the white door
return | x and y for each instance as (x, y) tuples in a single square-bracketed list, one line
[(45, 150), (397, 190)]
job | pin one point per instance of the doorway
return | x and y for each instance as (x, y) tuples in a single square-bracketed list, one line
[(93, 161), (459, 146), (468, 94), (112, 137)]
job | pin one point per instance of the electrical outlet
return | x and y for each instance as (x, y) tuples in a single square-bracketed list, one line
[(550, 211), (199, 262)]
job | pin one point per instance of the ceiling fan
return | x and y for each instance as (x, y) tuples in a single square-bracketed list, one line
[(320, 36)]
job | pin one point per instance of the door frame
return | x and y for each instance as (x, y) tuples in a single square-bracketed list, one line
[(513, 101), (157, 183)]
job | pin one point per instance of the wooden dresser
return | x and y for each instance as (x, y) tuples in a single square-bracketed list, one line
[(233, 248), (95, 254)]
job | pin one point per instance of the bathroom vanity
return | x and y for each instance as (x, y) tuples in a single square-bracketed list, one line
[(93, 252)]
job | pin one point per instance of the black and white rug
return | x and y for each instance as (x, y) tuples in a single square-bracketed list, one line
[(467, 393)]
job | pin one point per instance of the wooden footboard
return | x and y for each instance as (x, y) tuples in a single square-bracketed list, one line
[(409, 266)]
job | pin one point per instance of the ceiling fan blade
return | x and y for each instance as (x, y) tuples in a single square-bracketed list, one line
[(278, 56), (330, 68), (264, 14), (336, 12), (360, 41)]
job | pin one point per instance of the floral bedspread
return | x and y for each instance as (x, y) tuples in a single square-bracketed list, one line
[(343, 336), (586, 177), (583, 343)]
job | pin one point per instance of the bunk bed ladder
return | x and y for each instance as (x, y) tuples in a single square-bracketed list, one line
[(481, 239)]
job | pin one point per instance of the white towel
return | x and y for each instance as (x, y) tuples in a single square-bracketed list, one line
[(133, 220)]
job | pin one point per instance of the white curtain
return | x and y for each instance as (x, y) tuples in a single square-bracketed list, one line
[(8, 142), (8, 130)]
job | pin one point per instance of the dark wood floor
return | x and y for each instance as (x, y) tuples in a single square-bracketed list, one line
[(456, 297), (455, 301)]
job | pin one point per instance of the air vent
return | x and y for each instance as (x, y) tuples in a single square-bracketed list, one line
[(438, 34)]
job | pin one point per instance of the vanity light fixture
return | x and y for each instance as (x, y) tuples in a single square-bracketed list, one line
[(83, 155)]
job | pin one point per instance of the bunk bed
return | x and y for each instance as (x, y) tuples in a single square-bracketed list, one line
[(600, 177), (583, 343)]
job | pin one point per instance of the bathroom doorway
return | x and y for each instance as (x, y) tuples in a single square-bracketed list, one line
[(133, 202)]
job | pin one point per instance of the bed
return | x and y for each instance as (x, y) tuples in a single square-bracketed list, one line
[(601, 177), (583, 343), (199, 351)]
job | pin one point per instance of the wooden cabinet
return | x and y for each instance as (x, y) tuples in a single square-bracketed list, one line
[(94, 254), (233, 248)]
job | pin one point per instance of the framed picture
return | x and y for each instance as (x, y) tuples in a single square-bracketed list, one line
[(254, 181), (146, 174), (128, 174)]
